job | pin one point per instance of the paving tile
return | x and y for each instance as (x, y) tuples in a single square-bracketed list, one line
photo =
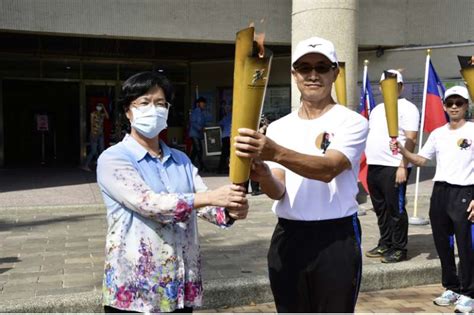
[(383, 301)]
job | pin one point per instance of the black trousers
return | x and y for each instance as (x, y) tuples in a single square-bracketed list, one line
[(315, 266), (448, 218), (389, 200), (196, 153), (225, 152)]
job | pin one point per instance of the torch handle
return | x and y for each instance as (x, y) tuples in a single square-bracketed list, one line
[(394, 141)]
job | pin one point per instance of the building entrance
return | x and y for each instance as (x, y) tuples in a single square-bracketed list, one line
[(41, 123)]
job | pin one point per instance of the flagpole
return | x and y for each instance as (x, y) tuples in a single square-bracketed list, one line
[(361, 210), (415, 220), (364, 86)]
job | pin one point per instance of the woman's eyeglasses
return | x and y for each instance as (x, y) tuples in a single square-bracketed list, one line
[(458, 103), (162, 104), (319, 68)]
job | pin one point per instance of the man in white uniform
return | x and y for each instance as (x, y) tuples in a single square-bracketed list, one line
[(313, 159), (387, 176), (452, 201)]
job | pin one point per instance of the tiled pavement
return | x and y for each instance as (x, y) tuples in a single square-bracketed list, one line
[(408, 300), (58, 250), (52, 230)]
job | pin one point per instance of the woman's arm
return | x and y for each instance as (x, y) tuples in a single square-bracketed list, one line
[(222, 216), (118, 178)]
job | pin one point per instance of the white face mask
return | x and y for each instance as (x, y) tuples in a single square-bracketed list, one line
[(99, 108), (149, 120)]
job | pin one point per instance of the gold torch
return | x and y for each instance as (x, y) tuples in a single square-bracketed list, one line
[(390, 99), (251, 71), (467, 72), (340, 84)]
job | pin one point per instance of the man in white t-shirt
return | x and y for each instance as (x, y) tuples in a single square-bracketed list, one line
[(387, 176), (452, 201), (313, 158)]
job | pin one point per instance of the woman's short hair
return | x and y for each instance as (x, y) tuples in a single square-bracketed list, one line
[(139, 84)]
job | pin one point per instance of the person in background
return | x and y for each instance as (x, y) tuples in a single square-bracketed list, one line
[(96, 135), (196, 132), (314, 259), (452, 201), (225, 123), (154, 195), (387, 177)]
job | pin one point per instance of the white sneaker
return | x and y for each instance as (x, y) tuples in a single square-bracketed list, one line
[(464, 305), (447, 298)]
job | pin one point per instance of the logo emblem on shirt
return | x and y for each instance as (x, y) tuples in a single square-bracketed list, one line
[(464, 144), (323, 140)]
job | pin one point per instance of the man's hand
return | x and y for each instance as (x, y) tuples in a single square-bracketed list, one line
[(254, 145), (401, 175), (470, 209), (238, 213), (397, 146), (259, 170)]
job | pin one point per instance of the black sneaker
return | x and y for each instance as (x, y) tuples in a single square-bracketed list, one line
[(377, 252), (394, 256)]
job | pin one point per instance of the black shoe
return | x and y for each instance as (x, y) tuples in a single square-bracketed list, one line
[(377, 252), (394, 256)]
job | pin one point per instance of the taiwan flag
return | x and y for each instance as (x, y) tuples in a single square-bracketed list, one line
[(366, 104), (433, 108)]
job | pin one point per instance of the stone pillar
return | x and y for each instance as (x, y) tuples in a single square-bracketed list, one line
[(337, 21)]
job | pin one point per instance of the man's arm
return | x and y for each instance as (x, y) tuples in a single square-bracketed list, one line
[(323, 168), (411, 157), (251, 144), (410, 144), (402, 173), (105, 113)]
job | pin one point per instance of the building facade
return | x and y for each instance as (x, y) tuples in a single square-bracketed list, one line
[(58, 59)]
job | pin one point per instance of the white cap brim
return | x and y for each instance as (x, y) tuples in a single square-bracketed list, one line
[(457, 90), (314, 45)]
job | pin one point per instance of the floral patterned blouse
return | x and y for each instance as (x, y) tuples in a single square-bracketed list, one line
[(152, 261)]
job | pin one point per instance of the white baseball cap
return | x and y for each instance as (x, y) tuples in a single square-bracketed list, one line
[(456, 90), (316, 45), (399, 75)]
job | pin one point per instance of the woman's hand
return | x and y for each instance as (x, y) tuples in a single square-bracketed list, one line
[(228, 196)]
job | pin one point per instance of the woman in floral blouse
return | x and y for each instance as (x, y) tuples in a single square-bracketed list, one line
[(153, 196)]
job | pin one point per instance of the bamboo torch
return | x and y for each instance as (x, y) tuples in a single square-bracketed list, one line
[(340, 84), (390, 99), (251, 72), (467, 72)]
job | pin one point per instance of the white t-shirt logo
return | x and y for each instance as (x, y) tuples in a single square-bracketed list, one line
[(464, 144), (323, 140)]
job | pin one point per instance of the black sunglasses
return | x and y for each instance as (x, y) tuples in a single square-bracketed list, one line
[(319, 68), (458, 103)]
